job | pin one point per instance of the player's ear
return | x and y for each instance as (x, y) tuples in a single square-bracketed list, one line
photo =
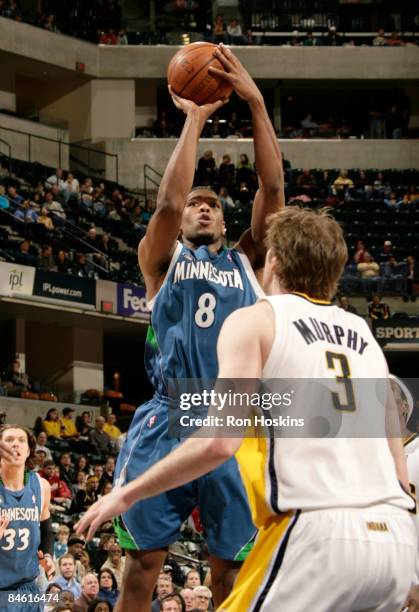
[(224, 229)]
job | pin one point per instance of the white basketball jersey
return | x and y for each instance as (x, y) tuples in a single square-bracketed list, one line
[(411, 447), (317, 340)]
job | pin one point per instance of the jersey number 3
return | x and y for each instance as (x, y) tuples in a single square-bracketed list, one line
[(10, 537), (344, 377), (205, 315)]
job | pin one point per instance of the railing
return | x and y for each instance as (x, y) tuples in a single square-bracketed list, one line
[(154, 179), (86, 152)]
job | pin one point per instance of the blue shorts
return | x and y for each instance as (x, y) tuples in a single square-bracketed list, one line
[(156, 522), (11, 599)]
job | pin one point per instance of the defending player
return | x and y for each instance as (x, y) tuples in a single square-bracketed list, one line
[(405, 403), (27, 538), (192, 286), (334, 532)]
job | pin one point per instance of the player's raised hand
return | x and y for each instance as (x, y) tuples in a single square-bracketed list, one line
[(3, 525), (103, 510), (187, 106), (236, 74)]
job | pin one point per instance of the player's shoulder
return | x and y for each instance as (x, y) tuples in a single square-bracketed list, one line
[(257, 319)]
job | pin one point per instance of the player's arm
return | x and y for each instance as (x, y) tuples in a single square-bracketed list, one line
[(270, 196), (46, 547), (240, 356), (157, 246), (395, 438)]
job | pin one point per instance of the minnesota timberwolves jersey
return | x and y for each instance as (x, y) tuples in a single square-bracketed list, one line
[(20, 542), (200, 290)]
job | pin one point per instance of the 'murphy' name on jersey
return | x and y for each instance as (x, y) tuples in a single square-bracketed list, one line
[(20, 514), (205, 270), (313, 330)]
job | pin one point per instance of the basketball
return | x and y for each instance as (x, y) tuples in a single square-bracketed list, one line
[(188, 74)]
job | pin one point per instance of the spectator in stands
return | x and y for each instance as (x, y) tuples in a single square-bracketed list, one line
[(386, 252), (63, 264), (332, 39), (164, 587), (308, 123), (395, 40), (81, 481), (84, 427), (411, 198), (412, 277), (4, 202), (55, 180), (226, 170), (226, 200), (54, 208), (235, 34), (98, 471), (25, 214), (60, 545), (15, 200), (359, 252), (377, 128), (46, 258), (150, 207), (380, 40), (171, 603), (306, 180), (41, 441), (108, 471), (83, 267), (206, 171), (108, 586), (244, 168), (189, 598), (67, 580), (90, 589), (377, 309), (66, 469), (45, 220), (109, 38), (71, 187), (345, 305), (40, 458), (369, 271), (219, 33), (342, 183), (66, 599), (52, 424), (395, 123), (85, 498), (60, 492), (392, 202), (14, 380), (99, 439), (394, 275), (115, 562), (192, 579), (311, 41), (203, 598), (295, 40), (110, 427), (243, 196), (122, 37)]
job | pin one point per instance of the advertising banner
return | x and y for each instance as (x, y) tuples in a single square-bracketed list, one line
[(16, 279), (397, 330), (65, 287), (131, 301)]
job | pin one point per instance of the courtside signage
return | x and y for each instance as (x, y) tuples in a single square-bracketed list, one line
[(65, 287), (397, 330), (16, 279), (132, 301)]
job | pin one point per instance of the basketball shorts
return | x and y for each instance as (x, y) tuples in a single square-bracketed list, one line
[(156, 522), (340, 560), (22, 598)]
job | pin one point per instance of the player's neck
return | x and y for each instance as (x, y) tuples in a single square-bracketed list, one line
[(213, 247), (13, 477)]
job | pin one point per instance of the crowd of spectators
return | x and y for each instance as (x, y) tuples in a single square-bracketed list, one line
[(46, 218), (100, 21), (77, 458)]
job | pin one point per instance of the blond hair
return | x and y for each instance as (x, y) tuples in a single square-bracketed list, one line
[(310, 250)]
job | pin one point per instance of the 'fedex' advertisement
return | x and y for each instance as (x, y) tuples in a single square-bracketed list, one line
[(132, 301)]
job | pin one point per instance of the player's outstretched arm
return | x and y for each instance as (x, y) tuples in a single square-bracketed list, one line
[(239, 357), (270, 196), (157, 246)]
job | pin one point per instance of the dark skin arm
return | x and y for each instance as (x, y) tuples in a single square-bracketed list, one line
[(270, 196), (156, 248)]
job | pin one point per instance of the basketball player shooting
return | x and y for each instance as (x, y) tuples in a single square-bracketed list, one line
[(26, 537), (192, 286), (331, 510)]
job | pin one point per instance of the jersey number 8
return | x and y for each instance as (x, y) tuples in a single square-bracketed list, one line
[(204, 316)]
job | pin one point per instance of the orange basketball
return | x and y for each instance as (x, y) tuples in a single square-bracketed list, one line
[(188, 74)]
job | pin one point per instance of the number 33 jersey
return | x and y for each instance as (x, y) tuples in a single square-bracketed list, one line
[(200, 290), (20, 542)]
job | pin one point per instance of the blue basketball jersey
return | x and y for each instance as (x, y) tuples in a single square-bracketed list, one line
[(200, 290), (20, 542)]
